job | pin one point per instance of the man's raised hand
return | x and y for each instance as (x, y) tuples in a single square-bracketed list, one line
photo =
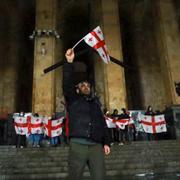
[(70, 55)]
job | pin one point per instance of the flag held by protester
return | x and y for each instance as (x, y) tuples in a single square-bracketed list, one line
[(20, 124), (95, 39), (109, 122), (121, 123), (35, 125), (153, 124), (53, 128)]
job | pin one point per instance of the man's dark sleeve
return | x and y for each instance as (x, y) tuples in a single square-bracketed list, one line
[(68, 80), (106, 134), (107, 138)]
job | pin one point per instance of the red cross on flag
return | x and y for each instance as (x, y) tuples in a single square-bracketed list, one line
[(121, 123), (110, 123), (53, 127), (153, 124), (20, 124), (35, 125), (95, 39)]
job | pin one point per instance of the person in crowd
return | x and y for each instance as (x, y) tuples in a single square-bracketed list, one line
[(140, 133), (36, 138), (54, 141), (170, 124), (131, 129), (62, 139), (150, 112), (88, 132), (111, 130), (158, 112), (3, 124), (64, 132), (115, 116), (123, 136), (21, 139)]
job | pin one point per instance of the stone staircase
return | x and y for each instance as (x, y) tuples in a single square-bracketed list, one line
[(138, 160)]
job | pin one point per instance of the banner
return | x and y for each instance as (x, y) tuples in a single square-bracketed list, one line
[(35, 125), (153, 124), (110, 122), (20, 124), (53, 127), (121, 123), (95, 39)]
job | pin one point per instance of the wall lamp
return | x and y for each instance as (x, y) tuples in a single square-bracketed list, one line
[(44, 33)]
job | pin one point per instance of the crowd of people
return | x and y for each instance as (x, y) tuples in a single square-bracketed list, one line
[(11, 132), (90, 131), (133, 130), (117, 135)]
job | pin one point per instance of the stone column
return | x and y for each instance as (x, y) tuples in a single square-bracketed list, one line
[(114, 78), (43, 85), (9, 59), (169, 41)]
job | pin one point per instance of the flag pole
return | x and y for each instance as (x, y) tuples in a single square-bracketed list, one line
[(60, 63), (78, 42)]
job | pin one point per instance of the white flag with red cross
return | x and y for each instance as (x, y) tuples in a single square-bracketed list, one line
[(121, 123), (95, 39), (153, 124), (53, 127), (110, 122), (131, 121), (35, 125), (20, 124)]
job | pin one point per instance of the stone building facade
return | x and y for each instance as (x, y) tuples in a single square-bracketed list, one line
[(144, 35)]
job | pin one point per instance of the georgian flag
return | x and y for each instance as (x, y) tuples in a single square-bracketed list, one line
[(110, 122), (53, 128), (95, 39), (28, 114), (153, 124), (121, 123), (35, 125), (131, 121), (20, 124)]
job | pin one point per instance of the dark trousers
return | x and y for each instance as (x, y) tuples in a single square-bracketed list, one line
[(1, 132), (123, 135), (81, 155), (20, 140)]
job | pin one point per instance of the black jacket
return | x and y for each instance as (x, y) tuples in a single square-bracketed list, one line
[(86, 119)]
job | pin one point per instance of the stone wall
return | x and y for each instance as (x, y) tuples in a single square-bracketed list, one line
[(149, 30), (145, 81), (15, 56), (168, 40)]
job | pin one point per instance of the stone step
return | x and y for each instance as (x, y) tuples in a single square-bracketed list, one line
[(117, 149), (111, 173), (45, 162), (57, 168), (130, 150), (134, 143), (111, 170), (126, 150), (133, 161), (36, 157), (114, 154), (59, 154), (164, 176), (54, 157)]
